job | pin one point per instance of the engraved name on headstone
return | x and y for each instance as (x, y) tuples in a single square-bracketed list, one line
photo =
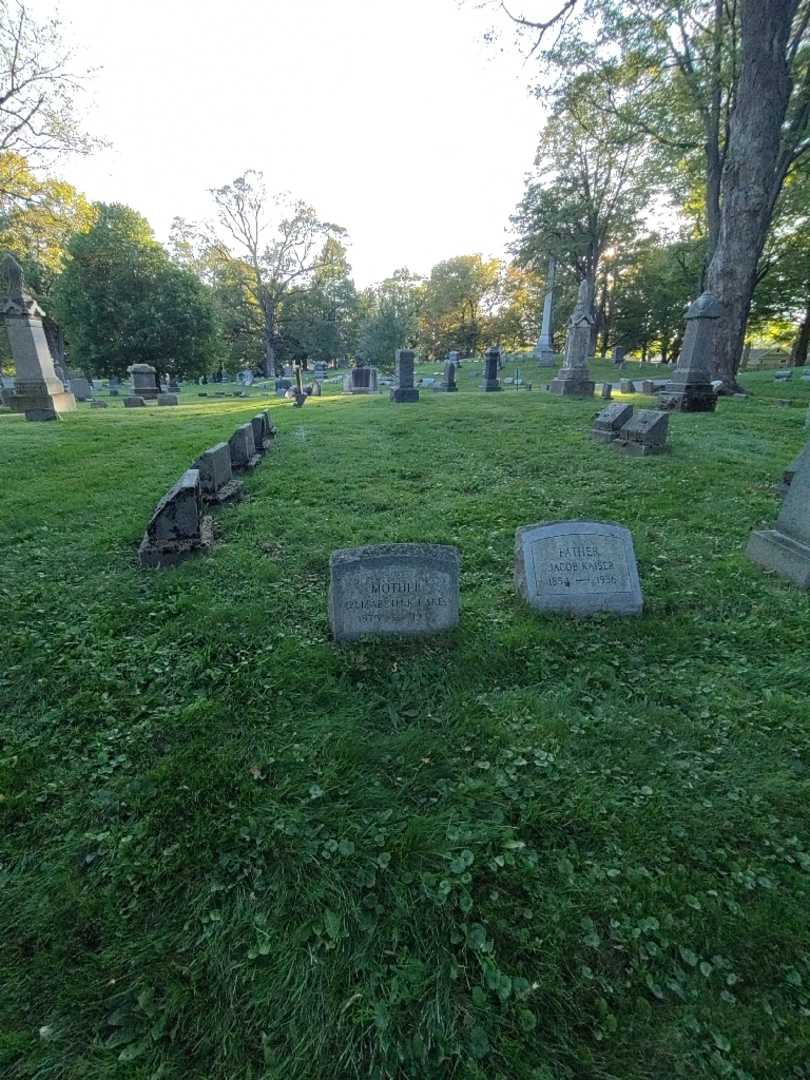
[(393, 589), (577, 567)]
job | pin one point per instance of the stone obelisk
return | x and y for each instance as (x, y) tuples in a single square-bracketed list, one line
[(690, 388), (544, 349), (38, 391), (574, 379)]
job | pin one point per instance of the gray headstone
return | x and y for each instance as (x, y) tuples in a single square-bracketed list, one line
[(785, 549), (690, 389), (393, 589), (167, 399), (647, 386), (144, 381), (96, 404), (216, 478), (403, 376), (134, 402), (178, 527), (492, 365), (627, 386), (610, 421), (577, 568), (607, 391), (645, 433), (574, 379), (81, 388), (243, 449)]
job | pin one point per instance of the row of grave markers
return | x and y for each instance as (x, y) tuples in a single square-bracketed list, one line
[(179, 526)]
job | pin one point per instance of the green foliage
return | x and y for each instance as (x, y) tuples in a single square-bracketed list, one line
[(121, 301), (320, 322), (389, 319), (534, 849)]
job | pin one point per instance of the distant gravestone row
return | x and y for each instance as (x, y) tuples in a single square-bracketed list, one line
[(179, 526)]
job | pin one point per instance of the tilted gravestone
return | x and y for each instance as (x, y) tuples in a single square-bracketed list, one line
[(492, 363), (404, 390), (785, 549), (690, 388), (217, 482), (133, 402), (607, 391), (393, 589), (610, 421), (178, 528), (167, 399), (644, 433), (260, 439), (577, 568), (243, 449)]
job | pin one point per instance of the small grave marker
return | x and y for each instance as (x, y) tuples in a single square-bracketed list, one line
[(645, 433), (610, 421)]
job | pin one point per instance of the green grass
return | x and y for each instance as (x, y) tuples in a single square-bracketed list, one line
[(534, 849)]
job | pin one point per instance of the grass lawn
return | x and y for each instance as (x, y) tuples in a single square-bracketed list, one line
[(534, 849)]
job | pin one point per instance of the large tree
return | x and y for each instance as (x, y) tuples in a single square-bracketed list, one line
[(122, 301), (458, 300), (728, 80), (281, 240), (389, 317)]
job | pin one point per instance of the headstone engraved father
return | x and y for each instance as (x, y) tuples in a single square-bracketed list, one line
[(577, 567), (393, 589)]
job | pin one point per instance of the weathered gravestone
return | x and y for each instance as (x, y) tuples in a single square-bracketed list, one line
[(607, 391), (96, 404), (610, 421), (782, 376), (492, 363), (644, 433), (785, 549), (81, 388), (404, 390), (578, 568), (647, 386), (316, 387), (217, 482), (262, 436), (178, 527), (627, 386), (792, 469), (690, 388), (361, 379), (243, 449), (144, 381), (134, 402), (574, 379), (167, 399), (448, 384), (393, 589), (38, 392)]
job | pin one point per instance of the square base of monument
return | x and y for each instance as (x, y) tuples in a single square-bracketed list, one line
[(572, 387), (360, 390), (405, 393), (788, 558), (248, 466), (446, 389), (491, 387), (230, 492), (689, 399), (42, 406), (163, 556)]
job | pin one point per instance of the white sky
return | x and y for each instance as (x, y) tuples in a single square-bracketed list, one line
[(392, 117)]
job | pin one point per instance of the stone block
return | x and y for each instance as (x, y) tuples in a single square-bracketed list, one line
[(785, 549), (647, 386), (178, 527), (243, 449), (627, 386), (607, 391), (134, 402), (217, 483), (645, 433), (99, 404), (399, 590), (577, 568), (167, 399), (80, 388), (610, 421), (404, 393)]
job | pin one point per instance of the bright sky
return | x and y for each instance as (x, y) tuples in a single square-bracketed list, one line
[(393, 118)]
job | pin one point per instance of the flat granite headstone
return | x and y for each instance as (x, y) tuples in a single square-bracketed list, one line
[(578, 568), (785, 549), (216, 477), (134, 402), (627, 386), (177, 528), (96, 404), (243, 449), (167, 399), (393, 589), (610, 421)]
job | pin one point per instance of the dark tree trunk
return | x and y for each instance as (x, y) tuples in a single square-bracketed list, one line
[(798, 353), (751, 176)]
